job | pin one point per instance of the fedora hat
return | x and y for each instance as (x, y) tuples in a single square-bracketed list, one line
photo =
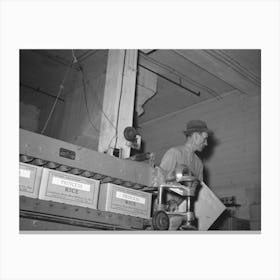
[(196, 126)]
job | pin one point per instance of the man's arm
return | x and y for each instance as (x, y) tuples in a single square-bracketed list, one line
[(169, 161)]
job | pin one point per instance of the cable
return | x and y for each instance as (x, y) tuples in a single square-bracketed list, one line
[(84, 82), (61, 88), (98, 103), (117, 124), (86, 103), (109, 146)]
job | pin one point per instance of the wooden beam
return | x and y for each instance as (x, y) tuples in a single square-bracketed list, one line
[(112, 91), (118, 102), (217, 67), (173, 76), (127, 99), (147, 51)]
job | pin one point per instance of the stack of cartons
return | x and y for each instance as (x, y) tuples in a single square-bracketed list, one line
[(122, 200), (70, 189), (29, 180)]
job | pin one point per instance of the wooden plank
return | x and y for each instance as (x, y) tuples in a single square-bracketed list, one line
[(126, 104), (221, 70), (118, 101), (112, 93)]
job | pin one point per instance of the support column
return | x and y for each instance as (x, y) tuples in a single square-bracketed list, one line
[(118, 102)]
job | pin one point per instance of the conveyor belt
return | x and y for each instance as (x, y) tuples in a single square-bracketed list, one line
[(35, 214), (44, 151)]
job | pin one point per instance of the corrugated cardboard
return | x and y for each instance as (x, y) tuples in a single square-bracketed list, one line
[(29, 180), (70, 189), (118, 199)]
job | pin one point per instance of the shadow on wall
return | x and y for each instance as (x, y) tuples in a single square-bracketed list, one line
[(207, 152)]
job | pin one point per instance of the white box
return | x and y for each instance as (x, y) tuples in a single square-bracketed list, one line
[(29, 179), (118, 199), (70, 189), (207, 207)]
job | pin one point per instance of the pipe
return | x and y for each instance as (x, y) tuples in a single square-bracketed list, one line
[(171, 81)]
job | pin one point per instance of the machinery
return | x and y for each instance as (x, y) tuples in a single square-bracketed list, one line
[(41, 151), (184, 183)]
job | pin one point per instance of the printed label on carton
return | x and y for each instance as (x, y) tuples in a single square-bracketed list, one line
[(70, 184), (130, 197), (24, 173), (67, 187), (27, 177)]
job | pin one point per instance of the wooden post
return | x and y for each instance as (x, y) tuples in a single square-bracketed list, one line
[(118, 101)]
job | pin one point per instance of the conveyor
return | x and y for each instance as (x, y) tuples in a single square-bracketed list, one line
[(36, 214), (48, 152)]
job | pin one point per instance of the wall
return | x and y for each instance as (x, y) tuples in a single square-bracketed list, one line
[(40, 79), (83, 105), (35, 108), (232, 158)]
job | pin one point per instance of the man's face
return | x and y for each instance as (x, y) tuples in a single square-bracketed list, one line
[(200, 140)]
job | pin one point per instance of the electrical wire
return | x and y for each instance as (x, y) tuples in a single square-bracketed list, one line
[(109, 146), (98, 104), (84, 80), (85, 93), (75, 60), (117, 124), (86, 102), (61, 88), (84, 84)]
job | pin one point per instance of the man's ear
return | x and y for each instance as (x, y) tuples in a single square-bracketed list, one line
[(195, 136)]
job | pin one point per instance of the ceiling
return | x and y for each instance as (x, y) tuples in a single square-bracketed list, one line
[(185, 77), (207, 73)]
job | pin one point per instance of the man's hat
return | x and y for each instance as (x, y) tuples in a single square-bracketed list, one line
[(196, 126)]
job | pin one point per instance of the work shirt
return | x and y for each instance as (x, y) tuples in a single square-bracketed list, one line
[(182, 155)]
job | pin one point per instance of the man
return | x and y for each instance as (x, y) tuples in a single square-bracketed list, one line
[(196, 139)]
